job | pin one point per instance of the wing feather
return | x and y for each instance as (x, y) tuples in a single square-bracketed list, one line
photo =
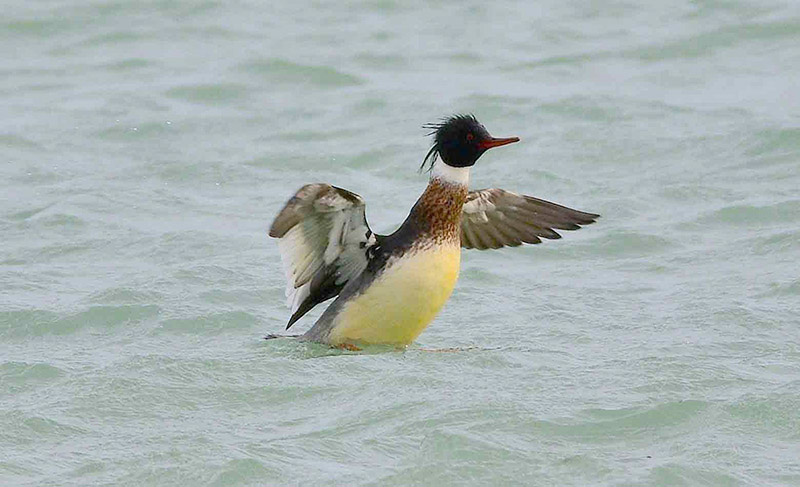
[(494, 218), (324, 239), (511, 236)]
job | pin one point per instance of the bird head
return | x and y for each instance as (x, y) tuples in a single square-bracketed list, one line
[(460, 140)]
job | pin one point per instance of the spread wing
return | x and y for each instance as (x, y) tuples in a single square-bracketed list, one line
[(324, 239), (495, 218)]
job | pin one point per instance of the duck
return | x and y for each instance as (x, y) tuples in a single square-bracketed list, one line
[(389, 288)]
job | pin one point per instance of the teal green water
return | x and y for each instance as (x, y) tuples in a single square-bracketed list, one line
[(146, 146)]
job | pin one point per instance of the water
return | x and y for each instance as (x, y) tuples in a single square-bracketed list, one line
[(146, 147)]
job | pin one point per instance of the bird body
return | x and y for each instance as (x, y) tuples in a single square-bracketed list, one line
[(389, 288), (413, 272), (399, 305)]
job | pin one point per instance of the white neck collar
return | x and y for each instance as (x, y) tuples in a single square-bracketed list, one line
[(450, 174)]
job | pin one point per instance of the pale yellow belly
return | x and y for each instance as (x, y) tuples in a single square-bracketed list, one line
[(402, 301)]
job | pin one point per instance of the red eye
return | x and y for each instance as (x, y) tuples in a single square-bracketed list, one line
[(470, 136)]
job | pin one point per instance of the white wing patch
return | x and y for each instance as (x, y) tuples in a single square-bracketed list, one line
[(323, 233)]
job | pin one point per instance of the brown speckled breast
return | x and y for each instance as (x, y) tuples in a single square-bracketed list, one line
[(437, 213)]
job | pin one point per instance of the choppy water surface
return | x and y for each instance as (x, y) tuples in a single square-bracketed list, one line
[(146, 146)]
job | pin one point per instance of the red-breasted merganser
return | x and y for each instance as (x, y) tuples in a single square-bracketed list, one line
[(390, 287)]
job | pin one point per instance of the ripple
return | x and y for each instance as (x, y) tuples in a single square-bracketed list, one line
[(787, 211), (124, 9), (129, 64), (616, 245), (723, 38), (585, 109), (56, 251), (382, 61), (59, 221), (17, 142), (30, 323), (121, 37), (17, 323), (498, 106), (37, 27), (211, 323), (683, 474), (26, 214), (782, 140), (105, 316), (280, 70), (242, 471), (573, 59), (131, 132), (782, 289), (124, 296), (608, 421), (27, 428), (370, 106), (773, 412), (16, 469), (782, 241), (24, 372), (469, 58), (213, 93)]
